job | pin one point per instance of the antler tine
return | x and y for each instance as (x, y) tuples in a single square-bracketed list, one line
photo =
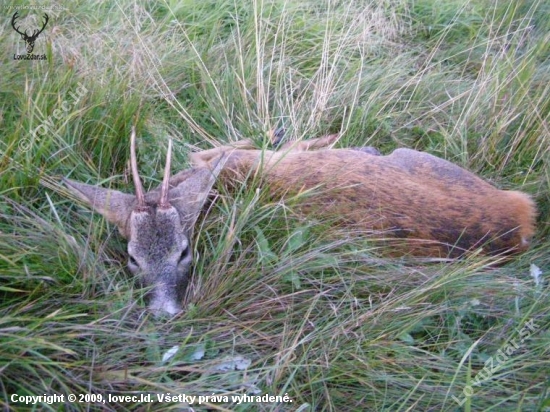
[(15, 16), (164, 189), (135, 174), (46, 18)]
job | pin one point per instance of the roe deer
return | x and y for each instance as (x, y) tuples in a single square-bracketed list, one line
[(430, 206)]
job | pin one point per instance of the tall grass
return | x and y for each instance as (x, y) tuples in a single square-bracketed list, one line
[(277, 305)]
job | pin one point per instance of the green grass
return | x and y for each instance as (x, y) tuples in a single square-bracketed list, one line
[(276, 306)]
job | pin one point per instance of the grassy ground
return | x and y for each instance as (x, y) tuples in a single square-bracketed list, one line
[(277, 306)]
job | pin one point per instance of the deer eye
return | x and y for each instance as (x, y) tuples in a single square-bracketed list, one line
[(184, 255), (132, 263)]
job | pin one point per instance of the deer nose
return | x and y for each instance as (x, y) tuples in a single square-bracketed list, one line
[(164, 298), (164, 307)]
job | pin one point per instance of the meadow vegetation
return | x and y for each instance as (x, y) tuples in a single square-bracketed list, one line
[(277, 305)]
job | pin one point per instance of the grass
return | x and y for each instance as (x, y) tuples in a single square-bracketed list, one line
[(277, 306)]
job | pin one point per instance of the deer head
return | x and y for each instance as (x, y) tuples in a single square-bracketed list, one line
[(158, 226), (29, 40)]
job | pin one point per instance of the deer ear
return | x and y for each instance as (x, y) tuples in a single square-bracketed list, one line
[(115, 206), (191, 191)]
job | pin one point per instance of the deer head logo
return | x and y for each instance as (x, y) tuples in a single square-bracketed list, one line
[(29, 40)]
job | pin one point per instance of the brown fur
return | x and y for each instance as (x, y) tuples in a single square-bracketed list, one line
[(432, 206)]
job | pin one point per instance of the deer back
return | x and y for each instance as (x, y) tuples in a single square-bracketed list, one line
[(433, 206)]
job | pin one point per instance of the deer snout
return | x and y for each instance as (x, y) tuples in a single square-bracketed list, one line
[(164, 300), (161, 307)]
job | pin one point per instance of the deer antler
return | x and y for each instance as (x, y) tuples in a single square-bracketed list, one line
[(13, 24), (163, 202), (135, 174), (43, 27)]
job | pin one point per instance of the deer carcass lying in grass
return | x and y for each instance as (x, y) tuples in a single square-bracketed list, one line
[(430, 206)]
